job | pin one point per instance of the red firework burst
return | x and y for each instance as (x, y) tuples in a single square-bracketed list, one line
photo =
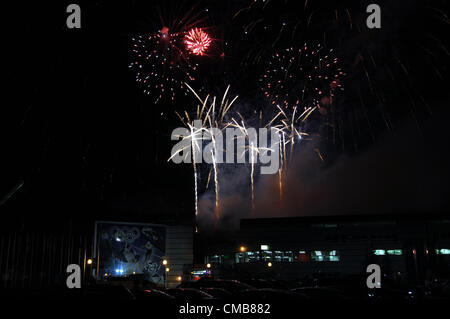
[(197, 41)]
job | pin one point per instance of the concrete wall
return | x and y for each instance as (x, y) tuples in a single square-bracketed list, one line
[(179, 252)]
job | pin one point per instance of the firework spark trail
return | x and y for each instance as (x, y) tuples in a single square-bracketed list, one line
[(285, 122), (252, 173), (194, 148), (253, 154), (205, 115), (280, 185), (209, 178), (214, 160), (280, 171), (216, 182), (288, 131)]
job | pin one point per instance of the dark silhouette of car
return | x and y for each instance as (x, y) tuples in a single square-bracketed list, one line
[(266, 283), (189, 294), (152, 294), (269, 295), (231, 286), (218, 293), (317, 293), (109, 292)]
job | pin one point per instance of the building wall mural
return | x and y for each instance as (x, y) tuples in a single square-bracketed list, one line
[(128, 249)]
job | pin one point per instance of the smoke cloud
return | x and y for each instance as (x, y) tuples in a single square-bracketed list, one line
[(404, 172)]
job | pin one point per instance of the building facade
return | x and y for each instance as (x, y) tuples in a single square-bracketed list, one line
[(412, 248)]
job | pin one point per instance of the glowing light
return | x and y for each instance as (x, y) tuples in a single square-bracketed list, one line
[(164, 31), (167, 269), (243, 248), (197, 41), (301, 76), (164, 262), (208, 265), (179, 278), (214, 114), (89, 261), (269, 264)]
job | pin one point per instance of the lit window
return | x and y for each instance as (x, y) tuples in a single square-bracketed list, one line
[(333, 255), (443, 251), (397, 252), (334, 258), (267, 255), (287, 256), (239, 258), (379, 252), (278, 256), (325, 255), (316, 255), (264, 247), (252, 256)]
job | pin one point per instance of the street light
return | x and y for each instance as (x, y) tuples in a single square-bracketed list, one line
[(164, 262), (89, 261), (242, 249), (269, 264), (208, 265)]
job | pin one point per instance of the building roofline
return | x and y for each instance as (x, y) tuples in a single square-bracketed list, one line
[(330, 219)]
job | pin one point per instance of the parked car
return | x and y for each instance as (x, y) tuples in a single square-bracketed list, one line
[(189, 294), (218, 293), (269, 295), (152, 294), (320, 293), (103, 292), (266, 283), (231, 286)]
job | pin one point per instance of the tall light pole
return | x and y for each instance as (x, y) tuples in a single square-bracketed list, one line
[(164, 262)]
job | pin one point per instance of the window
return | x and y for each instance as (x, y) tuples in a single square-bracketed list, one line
[(302, 256), (333, 256), (325, 255), (317, 255), (392, 252), (252, 256), (287, 256), (267, 255), (397, 252), (278, 256), (443, 251), (213, 259)]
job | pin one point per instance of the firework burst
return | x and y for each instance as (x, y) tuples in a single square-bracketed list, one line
[(160, 59), (301, 77), (197, 41), (205, 116), (161, 64)]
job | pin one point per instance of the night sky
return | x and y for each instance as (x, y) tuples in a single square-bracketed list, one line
[(80, 140)]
